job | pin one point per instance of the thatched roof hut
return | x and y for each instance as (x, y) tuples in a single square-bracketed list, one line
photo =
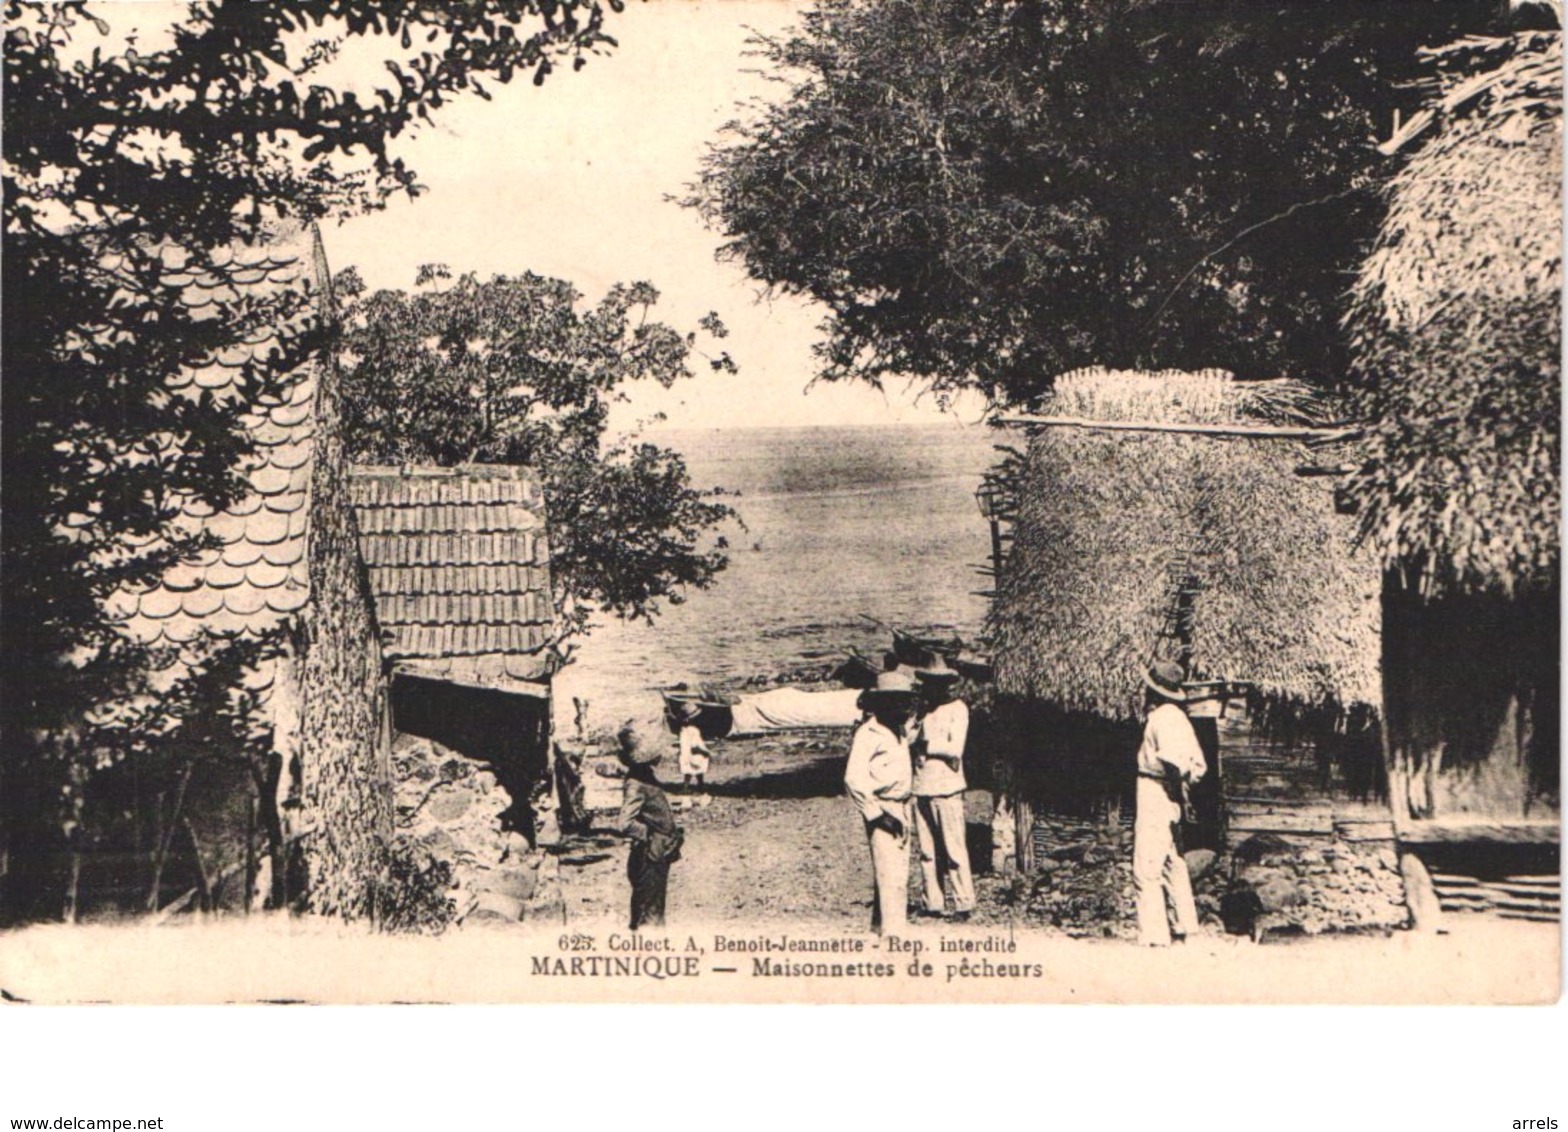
[(1457, 338), (1456, 327), (1111, 523)]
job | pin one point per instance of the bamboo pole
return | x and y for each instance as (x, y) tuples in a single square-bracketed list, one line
[(1270, 432)]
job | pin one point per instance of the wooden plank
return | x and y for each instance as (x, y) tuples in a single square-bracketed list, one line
[(1481, 832), (1316, 805), (1365, 831), (1238, 833), (1517, 904), (1347, 810), (1552, 882), (1527, 891), (1282, 823), (1285, 802), (1235, 800)]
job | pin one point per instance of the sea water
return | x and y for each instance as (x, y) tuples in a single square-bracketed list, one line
[(840, 524)]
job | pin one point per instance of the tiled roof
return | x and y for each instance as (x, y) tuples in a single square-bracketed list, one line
[(459, 566), (257, 575)]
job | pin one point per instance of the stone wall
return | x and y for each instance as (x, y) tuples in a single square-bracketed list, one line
[(1309, 886), (1299, 854), (449, 810), (1266, 885)]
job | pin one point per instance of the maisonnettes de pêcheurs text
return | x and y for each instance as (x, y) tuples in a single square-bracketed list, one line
[(783, 955)]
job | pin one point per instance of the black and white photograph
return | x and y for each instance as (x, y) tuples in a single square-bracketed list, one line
[(781, 501)]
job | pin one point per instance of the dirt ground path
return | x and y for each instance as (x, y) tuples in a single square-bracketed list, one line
[(779, 849), (776, 842)]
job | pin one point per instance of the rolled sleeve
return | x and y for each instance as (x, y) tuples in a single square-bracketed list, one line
[(859, 781), (877, 775), (1176, 744)]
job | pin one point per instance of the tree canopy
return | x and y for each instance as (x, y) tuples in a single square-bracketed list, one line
[(985, 193), (129, 164), (515, 370)]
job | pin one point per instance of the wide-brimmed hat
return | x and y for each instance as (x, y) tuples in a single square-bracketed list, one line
[(938, 672), (687, 711), (893, 688), (1164, 678), (633, 749)]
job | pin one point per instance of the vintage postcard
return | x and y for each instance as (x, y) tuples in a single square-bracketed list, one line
[(978, 501)]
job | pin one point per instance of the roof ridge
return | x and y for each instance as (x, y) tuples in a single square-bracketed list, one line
[(438, 471)]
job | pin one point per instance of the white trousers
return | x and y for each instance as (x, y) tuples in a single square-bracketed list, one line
[(944, 852), (1158, 872), (889, 876)]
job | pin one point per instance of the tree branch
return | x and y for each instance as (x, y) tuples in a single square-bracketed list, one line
[(1243, 234)]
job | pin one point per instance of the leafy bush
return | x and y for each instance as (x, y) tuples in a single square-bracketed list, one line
[(417, 896)]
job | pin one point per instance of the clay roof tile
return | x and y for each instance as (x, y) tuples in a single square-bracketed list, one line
[(244, 599)]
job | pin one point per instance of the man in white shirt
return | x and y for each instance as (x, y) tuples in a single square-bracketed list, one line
[(940, 828), (1169, 756), (878, 778)]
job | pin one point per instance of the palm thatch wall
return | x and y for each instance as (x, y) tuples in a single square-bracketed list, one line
[(1106, 518), (1456, 328), (1457, 336), (1109, 522)]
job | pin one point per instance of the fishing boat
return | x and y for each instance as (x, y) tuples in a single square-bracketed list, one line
[(917, 651), (857, 671)]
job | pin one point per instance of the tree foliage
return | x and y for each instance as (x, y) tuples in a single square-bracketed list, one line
[(985, 193), (126, 164), (514, 370)]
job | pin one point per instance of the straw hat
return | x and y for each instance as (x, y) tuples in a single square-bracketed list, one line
[(681, 713), (893, 689), (938, 670), (1164, 679)]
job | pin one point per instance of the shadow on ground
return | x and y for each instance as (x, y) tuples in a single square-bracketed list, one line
[(818, 778)]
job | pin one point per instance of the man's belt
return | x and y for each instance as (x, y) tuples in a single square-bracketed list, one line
[(1171, 785)]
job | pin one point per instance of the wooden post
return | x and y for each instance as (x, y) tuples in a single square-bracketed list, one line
[(250, 850), (1023, 834), (168, 825), (203, 882), (1207, 794), (1426, 912), (1004, 842), (75, 883)]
